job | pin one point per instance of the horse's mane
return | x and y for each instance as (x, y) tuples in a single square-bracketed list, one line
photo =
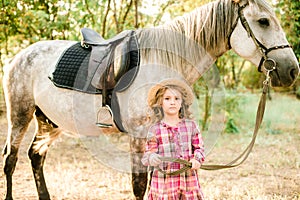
[(208, 24), (194, 36)]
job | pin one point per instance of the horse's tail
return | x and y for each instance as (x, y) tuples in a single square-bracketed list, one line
[(43, 141), (47, 132)]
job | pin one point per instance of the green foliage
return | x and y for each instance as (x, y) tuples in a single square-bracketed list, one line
[(204, 101), (251, 78), (232, 110), (25, 22), (298, 93), (237, 72), (230, 66), (289, 15), (231, 127), (232, 106)]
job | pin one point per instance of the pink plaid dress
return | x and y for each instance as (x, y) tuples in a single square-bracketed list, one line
[(185, 142)]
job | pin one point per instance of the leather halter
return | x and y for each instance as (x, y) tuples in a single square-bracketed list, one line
[(267, 63)]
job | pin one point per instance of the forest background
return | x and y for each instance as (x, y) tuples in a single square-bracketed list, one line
[(28, 21), (270, 173)]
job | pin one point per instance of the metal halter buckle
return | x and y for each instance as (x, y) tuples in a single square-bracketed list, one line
[(269, 65)]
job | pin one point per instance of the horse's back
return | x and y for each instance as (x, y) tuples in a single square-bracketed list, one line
[(38, 52), (34, 62)]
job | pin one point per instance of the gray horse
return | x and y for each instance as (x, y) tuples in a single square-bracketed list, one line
[(184, 48)]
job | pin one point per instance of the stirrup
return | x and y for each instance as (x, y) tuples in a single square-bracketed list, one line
[(105, 110)]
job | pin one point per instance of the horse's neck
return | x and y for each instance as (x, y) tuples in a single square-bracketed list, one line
[(191, 43)]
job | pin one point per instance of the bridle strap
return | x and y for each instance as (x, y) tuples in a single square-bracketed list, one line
[(269, 50), (246, 26)]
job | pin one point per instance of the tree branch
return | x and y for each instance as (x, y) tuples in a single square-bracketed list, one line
[(163, 9), (90, 12), (136, 14), (105, 19), (127, 11), (116, 17)]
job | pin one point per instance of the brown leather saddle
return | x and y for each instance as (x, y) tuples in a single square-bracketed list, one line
[(96, 64), (110, 59), (100, 66), (116, 62)]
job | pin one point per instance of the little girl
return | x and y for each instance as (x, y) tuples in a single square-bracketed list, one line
[(173, 134)]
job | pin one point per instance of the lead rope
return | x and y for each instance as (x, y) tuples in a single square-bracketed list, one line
[(244, 155), (187, 165)]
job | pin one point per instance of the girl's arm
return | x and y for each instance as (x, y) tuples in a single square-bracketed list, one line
[(198, 145)]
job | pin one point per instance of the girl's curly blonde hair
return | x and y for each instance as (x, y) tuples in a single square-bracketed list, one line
[(156, 113)]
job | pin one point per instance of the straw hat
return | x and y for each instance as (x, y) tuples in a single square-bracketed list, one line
[(172, 82)]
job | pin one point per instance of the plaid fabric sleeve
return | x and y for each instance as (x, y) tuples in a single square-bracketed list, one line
[(151, 146), (197, 144)]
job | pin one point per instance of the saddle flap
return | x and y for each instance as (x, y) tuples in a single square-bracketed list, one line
[(91, 37), (122, 58), (114, 63), (101, 70)]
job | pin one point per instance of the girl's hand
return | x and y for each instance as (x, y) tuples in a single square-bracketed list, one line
[(195, 164), (154, 159)]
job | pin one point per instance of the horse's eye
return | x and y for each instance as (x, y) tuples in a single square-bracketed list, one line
[(264, 22)]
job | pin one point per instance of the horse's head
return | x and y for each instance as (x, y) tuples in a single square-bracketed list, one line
[(259, 38)]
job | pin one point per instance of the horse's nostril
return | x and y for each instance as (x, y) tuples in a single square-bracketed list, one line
[(294, 73)]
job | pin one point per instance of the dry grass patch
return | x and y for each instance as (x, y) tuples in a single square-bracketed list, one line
[(272, 171)]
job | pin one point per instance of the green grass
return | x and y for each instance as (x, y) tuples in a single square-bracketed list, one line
[(271, 172), (282, 113)]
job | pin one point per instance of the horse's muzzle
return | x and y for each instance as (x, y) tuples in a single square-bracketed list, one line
[(284, 77)]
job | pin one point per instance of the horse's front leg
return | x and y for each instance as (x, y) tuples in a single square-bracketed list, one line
[(139, 172)]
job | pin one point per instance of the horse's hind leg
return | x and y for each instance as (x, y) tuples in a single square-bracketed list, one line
[(9, 168), (46, 133), (18, 122)]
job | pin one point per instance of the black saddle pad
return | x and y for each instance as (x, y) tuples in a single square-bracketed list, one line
[(72, 70)]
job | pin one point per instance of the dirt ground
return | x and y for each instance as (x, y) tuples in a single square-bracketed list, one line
[(270, 172)]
